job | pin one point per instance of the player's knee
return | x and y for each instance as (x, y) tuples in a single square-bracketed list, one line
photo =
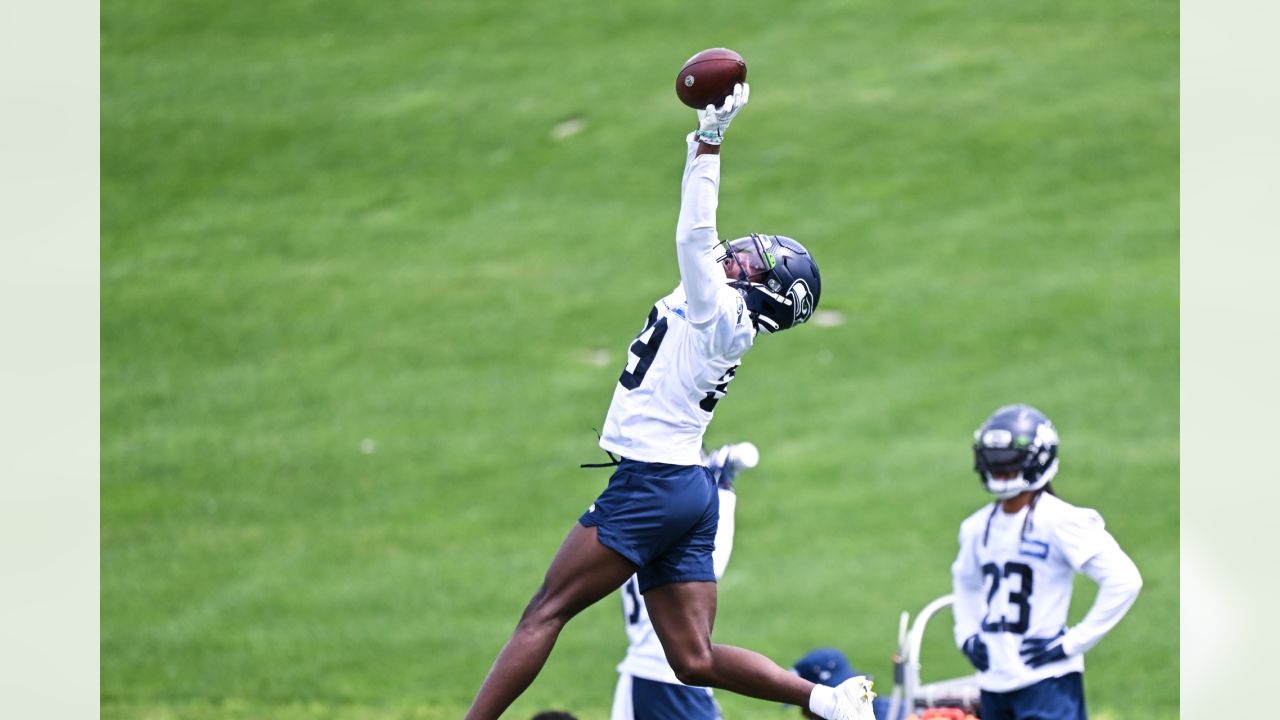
[(694, 668), (544, 612)]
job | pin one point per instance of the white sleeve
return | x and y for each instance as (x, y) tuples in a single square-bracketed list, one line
[(724, 532), (696, 239), (1118, 584), (692, 145), (1081, 535), (966, 584)]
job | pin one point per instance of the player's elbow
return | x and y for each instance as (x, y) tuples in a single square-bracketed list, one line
[(1128, 583), (1134, 582), (695, 234), (1132, 577)]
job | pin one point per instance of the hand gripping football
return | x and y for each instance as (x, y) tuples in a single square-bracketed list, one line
[(708, 77)]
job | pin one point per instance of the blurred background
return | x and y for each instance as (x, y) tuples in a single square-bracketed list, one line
[(369, 274)]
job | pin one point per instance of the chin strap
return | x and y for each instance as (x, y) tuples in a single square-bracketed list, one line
[(1026, 521), (764, 325)]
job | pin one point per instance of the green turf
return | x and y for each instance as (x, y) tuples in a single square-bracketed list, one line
[(361, 310)]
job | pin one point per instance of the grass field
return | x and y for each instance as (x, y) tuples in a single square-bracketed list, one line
[(363, 305)]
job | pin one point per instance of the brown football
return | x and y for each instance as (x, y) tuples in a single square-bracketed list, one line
[(708, 77)]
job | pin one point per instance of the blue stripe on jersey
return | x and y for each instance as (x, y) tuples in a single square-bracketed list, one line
[(1034, 548)]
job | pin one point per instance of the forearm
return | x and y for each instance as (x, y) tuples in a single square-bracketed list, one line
[(967, 608), (696, 149), (1118, 585), (696, 235), (690, 155)]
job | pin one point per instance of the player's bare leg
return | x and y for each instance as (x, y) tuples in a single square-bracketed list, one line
[(582, 572), (683, 615)]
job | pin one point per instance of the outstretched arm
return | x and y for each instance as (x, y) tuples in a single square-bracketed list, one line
[(696, 239)]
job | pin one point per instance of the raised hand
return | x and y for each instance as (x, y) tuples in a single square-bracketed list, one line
[(713, 122)]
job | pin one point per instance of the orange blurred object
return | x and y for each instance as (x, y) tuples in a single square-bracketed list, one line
[(946, 714)]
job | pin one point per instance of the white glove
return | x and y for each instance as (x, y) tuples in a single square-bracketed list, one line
[(712, 122)]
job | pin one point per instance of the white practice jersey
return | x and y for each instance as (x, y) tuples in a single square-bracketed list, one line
[(679, 365), (1013, 586), (645, 657)]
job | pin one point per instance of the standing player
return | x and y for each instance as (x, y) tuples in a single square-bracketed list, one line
[(647, 686), (658, 515), (1012, 578)]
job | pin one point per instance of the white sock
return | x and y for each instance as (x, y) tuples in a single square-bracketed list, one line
[(822, 701)]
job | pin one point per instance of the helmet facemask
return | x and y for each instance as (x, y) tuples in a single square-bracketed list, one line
[(1015, 486), (746, 261)]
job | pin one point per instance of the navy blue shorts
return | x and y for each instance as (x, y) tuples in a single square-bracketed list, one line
[(651, 700), (661, 517), (1060, 698)]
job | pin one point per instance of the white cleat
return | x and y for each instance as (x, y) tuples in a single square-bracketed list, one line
[(853, 700)]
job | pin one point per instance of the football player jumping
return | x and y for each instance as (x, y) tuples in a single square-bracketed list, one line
[(657, 517), (1012, 578)]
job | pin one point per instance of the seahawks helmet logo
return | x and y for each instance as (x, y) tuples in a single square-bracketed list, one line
[(801, 301)]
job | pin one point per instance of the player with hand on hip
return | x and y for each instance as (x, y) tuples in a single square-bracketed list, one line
[(1012, 578), (657, 517), (648, 688)]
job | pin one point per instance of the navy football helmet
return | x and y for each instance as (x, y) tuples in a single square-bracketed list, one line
[(777, 277), (1015, 439)]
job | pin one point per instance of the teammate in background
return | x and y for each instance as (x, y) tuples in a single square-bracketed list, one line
[(1012, 578), (830, 667), (658, 515), (647, 686)]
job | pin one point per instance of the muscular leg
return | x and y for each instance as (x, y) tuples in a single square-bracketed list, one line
[(582, 572), (682, 615)]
